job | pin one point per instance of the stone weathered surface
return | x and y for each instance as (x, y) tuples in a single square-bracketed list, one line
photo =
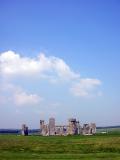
[(52, 126), (44, 130), (72, 127), (89, 129)]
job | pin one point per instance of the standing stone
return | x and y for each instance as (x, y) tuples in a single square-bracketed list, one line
[(92, 128), (43, 128), (89, 129), (86, 129), (72, 126), (52, 126), (24, 130)]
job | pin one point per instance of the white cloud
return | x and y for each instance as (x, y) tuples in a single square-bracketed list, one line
[(12, 94), (51, 67), (24, 99), (85, 87)]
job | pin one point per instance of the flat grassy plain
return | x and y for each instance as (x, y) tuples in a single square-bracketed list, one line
[(97, 147)]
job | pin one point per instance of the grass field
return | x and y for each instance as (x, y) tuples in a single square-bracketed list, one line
[(98, 147)]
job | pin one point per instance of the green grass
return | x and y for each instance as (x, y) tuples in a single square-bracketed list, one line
[(98, 147)]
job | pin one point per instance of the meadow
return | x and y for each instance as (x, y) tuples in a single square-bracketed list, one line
[(96, 147)]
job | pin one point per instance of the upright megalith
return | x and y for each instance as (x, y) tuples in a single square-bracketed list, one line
[(89, 129), (44, 130), (24, 130), (73, 126), (52, 126), (92, 128)]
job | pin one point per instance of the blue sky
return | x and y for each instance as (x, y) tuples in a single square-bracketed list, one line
[(59, 59)]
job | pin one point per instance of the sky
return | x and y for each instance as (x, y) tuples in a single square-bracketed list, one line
[(59, 59)]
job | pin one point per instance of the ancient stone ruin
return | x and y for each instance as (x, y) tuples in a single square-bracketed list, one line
[(73, 128)]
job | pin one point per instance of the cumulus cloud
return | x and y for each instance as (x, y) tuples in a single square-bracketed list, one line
[(51, 68), (12, 94), (12, 63), (24, 99), (85, 87)]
